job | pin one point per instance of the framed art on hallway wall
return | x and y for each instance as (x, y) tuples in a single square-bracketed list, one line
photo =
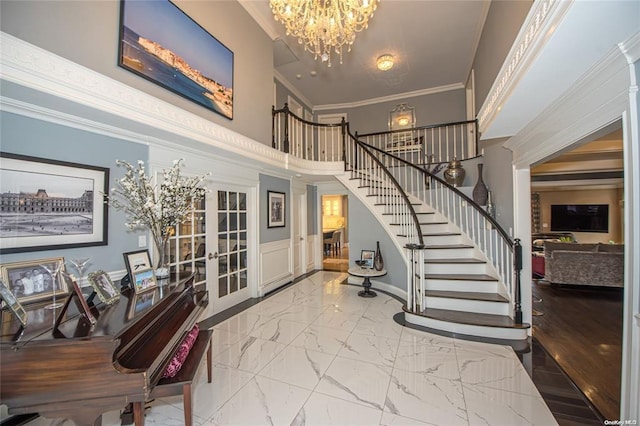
[(51, 205), (162, 44), (276, 209)]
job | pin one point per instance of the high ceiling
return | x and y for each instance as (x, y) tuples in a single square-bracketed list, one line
[(433, 42)]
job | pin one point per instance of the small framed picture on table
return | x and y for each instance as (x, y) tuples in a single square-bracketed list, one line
[(366, 257), (144, 281), (104, 287)]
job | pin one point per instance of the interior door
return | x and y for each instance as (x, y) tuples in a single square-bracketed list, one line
[(227, 254)]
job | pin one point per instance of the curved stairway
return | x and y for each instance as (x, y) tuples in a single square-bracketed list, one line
[(463, 292)]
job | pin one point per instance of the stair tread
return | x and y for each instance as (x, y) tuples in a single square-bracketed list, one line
[(472, 318), (400, 224), (441, 234), (461, 277), (467, 295), (455, 260)]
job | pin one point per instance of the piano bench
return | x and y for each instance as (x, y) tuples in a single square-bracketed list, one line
[(180, 384)]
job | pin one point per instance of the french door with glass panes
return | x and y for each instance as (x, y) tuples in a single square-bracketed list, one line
[(212, 242), (229, 268)]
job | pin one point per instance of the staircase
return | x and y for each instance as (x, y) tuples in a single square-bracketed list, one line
[(463, 293), (462, 268)]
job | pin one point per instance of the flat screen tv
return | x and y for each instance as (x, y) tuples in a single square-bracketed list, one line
[(580, 217)]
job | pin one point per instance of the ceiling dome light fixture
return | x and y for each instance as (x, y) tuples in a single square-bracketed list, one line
[(323, 26), (384, 62)]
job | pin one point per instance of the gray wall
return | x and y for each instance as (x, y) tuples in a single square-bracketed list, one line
[(27, 136), (436, 108), (271, 183), (86, 32), (282, 96), (503, 23), (498, 176), (364, 231)]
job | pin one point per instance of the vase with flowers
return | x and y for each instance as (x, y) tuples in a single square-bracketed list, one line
[(160, 209)]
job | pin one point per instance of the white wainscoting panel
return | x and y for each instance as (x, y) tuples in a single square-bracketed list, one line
[(312, 247), (276, 265)]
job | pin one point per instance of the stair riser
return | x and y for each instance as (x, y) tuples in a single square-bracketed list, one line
[(454, 285), (463, 305), (457, 253), (469, 330), (437, 227), (444, 239), (456, 268)]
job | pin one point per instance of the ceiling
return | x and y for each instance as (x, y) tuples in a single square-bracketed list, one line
[(433, 42)]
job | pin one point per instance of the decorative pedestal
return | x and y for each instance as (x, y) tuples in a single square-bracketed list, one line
[(366, 283)]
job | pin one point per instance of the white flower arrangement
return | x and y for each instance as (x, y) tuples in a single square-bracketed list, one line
[(159, 211)]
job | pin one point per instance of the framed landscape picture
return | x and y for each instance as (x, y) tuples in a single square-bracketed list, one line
[(51, 205), (144, 281), (276, 209), (161, 43)]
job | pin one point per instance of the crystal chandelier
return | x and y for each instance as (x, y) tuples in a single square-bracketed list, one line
[(324, 25)]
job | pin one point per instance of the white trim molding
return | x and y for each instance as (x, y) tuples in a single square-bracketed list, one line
[(29, 66), (276, 265), (542, 20)]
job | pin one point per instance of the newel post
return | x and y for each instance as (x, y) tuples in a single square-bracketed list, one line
[(343, 129), (286, 128), (517, 251), (273, 126)]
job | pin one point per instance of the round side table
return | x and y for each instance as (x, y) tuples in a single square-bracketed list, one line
[(366, 273)]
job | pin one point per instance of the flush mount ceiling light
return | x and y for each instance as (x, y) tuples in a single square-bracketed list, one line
[(323, 26), (384, 62)]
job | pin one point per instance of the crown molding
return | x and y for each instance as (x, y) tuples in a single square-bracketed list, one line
[(631, 48), (32, 67), (593, 102), (267, 25), (395, 97), (542, 20)]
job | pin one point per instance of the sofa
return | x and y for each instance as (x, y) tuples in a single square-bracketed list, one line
[(584, 264)]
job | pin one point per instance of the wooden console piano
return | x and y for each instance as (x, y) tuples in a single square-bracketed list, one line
[(78, 370)]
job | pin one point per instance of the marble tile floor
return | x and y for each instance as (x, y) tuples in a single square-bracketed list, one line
[(318, 354)]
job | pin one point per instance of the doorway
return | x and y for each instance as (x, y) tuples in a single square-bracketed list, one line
[(335, 235), (587, 347)]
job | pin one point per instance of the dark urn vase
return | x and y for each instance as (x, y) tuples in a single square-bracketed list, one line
[(378, 263), (480, 192)]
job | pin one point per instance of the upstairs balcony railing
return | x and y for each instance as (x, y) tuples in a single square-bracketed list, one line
[(395, 175), (421, 145), (439, 143)]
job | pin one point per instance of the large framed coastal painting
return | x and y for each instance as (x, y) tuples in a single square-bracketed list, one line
[(50, 205), (159, 42)]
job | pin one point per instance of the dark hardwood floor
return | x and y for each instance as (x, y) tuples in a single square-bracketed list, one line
[(581, 328)]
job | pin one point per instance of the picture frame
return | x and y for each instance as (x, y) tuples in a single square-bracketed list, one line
[(104, 287), (144, 281), (276, 209), (12, 303), (366, 256), (178, 55), (81, 302), (137, 261), (30, 282), (52, 204), (140, 302)]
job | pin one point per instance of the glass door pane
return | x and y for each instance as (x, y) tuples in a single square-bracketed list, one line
[(232, 248)]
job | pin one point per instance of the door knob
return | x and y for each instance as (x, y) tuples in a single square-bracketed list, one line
[(212, 256)]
